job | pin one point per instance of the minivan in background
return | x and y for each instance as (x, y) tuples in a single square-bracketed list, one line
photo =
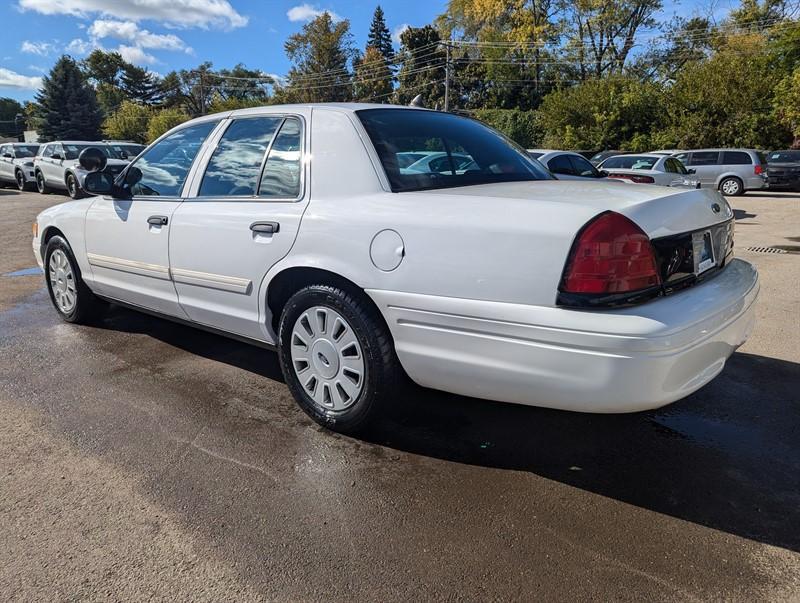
[(731, 171)]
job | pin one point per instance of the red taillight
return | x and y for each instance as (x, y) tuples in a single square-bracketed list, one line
[(611, 255), (634, 178), (759, 170)]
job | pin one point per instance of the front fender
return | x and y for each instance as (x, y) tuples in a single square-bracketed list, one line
[(69, 219)]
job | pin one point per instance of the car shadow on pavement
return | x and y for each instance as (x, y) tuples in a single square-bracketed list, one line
[(742, 214), (727, 457)]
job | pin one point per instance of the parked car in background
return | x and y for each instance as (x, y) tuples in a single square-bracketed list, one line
[(783, 170), (123, 149), (56, 165), (440, 162), (731, 171), (16, 164), (497, 282), (598, 158), (666, 152), (649, 168), (566, 165)]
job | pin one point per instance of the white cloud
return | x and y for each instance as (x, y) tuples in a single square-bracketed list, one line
[(134, 54), (12, 79), (398, 31), (39, 48), (307, 12), (128, 31), (80, 47), (180, 13)]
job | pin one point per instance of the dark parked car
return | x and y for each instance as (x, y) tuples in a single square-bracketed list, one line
[(783, 170)]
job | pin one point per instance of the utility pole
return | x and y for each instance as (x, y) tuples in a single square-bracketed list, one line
[(447, 77)]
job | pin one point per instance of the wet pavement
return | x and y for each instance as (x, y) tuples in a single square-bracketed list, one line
[(143, 459)]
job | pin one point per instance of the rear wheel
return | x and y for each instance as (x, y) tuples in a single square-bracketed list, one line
[(41, 185), (337, 357), (73, 189), (731, 187), (72, 299)]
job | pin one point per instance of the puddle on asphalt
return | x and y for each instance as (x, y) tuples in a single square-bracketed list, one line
[(25, 272)]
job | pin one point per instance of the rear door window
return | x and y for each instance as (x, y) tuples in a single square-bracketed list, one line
[(736, 158), (48, 150), (282, 171), (560, 164), (704, 158), (235, 166)]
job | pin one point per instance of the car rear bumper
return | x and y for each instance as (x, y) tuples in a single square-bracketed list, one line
[(620, 360)]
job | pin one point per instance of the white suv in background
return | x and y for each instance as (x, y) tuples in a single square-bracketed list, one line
[(56, 166), (16, 164)]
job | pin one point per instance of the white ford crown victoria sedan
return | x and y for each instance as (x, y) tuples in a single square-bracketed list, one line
[(295, 227)]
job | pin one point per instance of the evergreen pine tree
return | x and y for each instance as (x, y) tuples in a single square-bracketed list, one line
[(68, 107), (379, 36)]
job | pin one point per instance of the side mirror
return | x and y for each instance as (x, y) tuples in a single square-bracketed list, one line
[(92, 159), (98, 183), (691, 171), (604, 173), (132, 176)]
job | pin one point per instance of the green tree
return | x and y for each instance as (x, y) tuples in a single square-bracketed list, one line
[(786, 104), (757, 14), (422, 63), (130, 122), (164, 120), (9, 109), (103, 70), (379, 37), (140, 85), (520, 126), (372, 80), (725, 100), (615, 112), (68, 106), (321, 54)]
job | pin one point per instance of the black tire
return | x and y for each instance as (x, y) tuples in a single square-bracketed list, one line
[(382, 370), (19, 177), (734, 187), (88, 307), (41, 185), (73, 188)]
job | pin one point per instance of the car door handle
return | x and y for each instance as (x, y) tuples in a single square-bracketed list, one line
[(265, 227), (158, 220)]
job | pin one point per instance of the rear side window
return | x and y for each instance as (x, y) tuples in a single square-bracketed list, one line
[(704, 158), (165, 165), (736, 158), (48, 150), (235, 166), (560, 164), (281, 177)]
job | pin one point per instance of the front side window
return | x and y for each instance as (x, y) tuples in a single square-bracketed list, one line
[(165, 165), (395, 133), (704, 158), (582, 167), (235, 166), (281, 177)]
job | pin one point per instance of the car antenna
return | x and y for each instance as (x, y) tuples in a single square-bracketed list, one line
[(417, 102)]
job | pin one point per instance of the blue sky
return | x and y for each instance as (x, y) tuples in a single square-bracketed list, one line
[(173, 34)]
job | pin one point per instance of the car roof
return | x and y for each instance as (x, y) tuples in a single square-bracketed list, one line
[(348, 107), (718, 150), (651, 155), (548, 151), (73, 142)]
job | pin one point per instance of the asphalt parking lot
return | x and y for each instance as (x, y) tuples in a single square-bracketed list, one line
[(140, 459)]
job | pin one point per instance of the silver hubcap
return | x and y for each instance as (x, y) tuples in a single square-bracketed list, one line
[(62, 281), (730, 187), (327, 358)]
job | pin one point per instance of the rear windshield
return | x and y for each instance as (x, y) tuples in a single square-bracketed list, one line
[(123, 151), (455, 151), (783, 156), (630, 162), (28, 150)]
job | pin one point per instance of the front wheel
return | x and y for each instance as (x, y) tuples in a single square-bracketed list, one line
[(19, 177), (731, 187), (72, 299), (337, 357)]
